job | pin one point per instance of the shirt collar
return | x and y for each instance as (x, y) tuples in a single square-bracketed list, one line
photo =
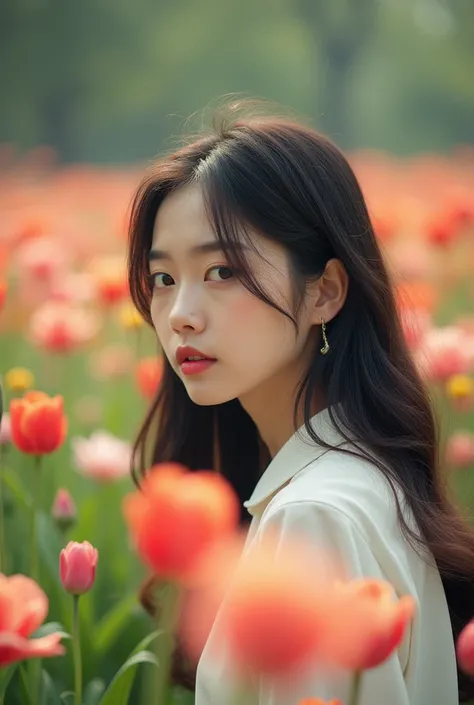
[(298, 452)]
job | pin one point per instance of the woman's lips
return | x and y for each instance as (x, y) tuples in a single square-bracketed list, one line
[(195, 367)]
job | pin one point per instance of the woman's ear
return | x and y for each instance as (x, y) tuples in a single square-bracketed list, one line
[(329, 292)]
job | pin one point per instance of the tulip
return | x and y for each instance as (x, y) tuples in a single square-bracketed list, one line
[(371, 626), (102, 457), (23, 608), (177, 515), (38, 423), (129, 318), (318, 701), (149, 372), (460, 449), (77, 566), (63, 510), (19, 379), (460, 389), (255, 594), (465, 649), (60, 327), (111, 279)]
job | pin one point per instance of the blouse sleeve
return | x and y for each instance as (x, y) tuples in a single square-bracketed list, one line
[(330, 529)]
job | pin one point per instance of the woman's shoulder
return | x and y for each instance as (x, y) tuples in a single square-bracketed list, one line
[(343, 487)]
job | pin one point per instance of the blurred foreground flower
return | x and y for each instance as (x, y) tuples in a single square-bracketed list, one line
[(63, 510), (5, 429), (38, 423), (102, 457), (19, 379), (23, 608), (256, 594), (370, 623), (318, 701), (460, 449), (148, 374), (177, 515), (77, 566), (61, 328)]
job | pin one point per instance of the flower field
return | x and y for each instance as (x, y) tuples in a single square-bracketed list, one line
[(68, 330)]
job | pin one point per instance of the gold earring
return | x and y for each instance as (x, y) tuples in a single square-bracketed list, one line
[(325, 349)]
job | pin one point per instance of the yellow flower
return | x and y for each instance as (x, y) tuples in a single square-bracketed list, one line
[(460, 387), (19, 379), (129, 318)]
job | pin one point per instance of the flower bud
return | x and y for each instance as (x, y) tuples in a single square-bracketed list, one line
[(63, 510), (77, 565)]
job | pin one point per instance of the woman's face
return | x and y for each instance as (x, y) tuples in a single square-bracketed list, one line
[(198, 301)]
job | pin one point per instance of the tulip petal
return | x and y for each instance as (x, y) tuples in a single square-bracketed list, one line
[(30, 605), (16, 648)]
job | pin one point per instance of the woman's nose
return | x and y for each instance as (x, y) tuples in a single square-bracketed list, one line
[(186, 314)]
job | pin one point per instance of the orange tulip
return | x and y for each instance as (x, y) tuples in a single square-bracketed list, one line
[(177, 515), (23, 608), (38, 423), (370, 624), (149, 372)]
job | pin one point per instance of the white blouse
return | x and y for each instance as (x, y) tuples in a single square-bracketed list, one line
[(344, 505)]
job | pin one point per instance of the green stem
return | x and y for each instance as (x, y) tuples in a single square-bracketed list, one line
[(77, 653), (35, 506), (355, 690), (169, 613)]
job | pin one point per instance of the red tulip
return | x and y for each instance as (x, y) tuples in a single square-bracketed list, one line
[(149, 372), (23, 608), (38, 423), (465, 649), (77, 566)]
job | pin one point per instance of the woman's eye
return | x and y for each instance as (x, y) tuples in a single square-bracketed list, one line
[(161, 280), (220, 273)]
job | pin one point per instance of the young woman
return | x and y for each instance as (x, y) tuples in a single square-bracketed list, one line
[(253, 256)]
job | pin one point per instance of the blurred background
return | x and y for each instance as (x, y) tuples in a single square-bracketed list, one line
[(111, 81), (91, 92)]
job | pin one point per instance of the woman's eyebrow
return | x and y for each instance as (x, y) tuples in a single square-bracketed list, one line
[(203, 248)]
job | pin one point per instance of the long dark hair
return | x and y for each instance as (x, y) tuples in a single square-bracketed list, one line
[(293, 185)]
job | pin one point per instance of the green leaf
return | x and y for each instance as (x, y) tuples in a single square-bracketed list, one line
[(50, 545), (11, 480), (68, 695), (108, 629), (6, 674), (94, 691), (51, 628), (49, 694), (118, 691)]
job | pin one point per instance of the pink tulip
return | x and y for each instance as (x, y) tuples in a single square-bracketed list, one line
[(41, 258), (5, 429), (77, 566), (465, 649), (63, 510), (102, 457)]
